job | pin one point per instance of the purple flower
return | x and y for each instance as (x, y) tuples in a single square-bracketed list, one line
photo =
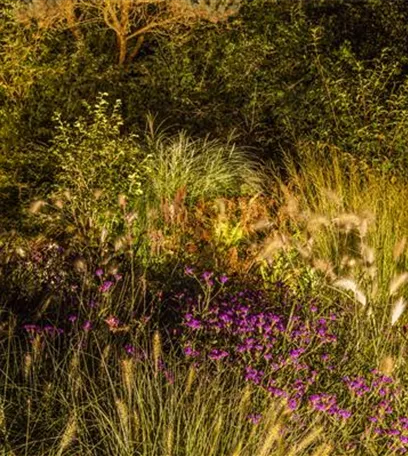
[(345, 414), (294, 354), (105, 287), (130, 349), (192, 322), (188, 270), (92, 304), (293, 404), (206, 275), (218, 354), (72, 318), (255, 418), (87, 326), (223, 279), (118, 277), (31, 328), (99, 272), (189, 351)]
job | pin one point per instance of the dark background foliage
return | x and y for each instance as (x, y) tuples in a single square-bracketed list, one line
[(279, 74)]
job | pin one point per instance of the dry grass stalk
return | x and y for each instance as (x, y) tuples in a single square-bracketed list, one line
[(169, 443), (387, 365), (218, 427), (37, 347), (271, 439), (323, 450), (307, 441), (156, 351), (238, 449), (245, 400), (104, 358), (28, 360), (127, 375), (399, 248), (69, 434), (2, 418), (190, 379), (123, 414)]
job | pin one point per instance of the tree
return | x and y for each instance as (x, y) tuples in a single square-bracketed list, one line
[(130, 20)]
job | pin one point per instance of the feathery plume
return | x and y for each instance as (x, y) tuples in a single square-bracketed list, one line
[(127, 375), (27, 365), (308, 440), (36, 206), (398, 309), (399, 248), (156, 351), (69, 434), (387, 365), (190, 379), (350, 285), (397, 282)]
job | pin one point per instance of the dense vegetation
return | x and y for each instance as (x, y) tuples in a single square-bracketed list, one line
[(203, 227)]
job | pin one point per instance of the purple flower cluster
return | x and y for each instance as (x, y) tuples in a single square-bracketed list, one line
[(289, 349), (33, 329)]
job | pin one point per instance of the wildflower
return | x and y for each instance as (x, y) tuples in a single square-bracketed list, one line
[(130, 349), (293, 404), (223, 279), (31, 328), (105, 287), (72, 318), (218, 354), (92, 304), (206, 275), (345, 414), (192, 322), (188, 270), (112, 322), (99, 272), (189, 351), (255, 418), (117, 277), (87, 326)]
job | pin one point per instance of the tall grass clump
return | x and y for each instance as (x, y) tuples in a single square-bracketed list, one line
[(205, 168), (90, 396), (345, 224), (345, 210)]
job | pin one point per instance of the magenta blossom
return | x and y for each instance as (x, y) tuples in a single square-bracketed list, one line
[(106, 286), (87, 326)]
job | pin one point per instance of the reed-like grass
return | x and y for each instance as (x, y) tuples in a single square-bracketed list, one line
[(84, 401)]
